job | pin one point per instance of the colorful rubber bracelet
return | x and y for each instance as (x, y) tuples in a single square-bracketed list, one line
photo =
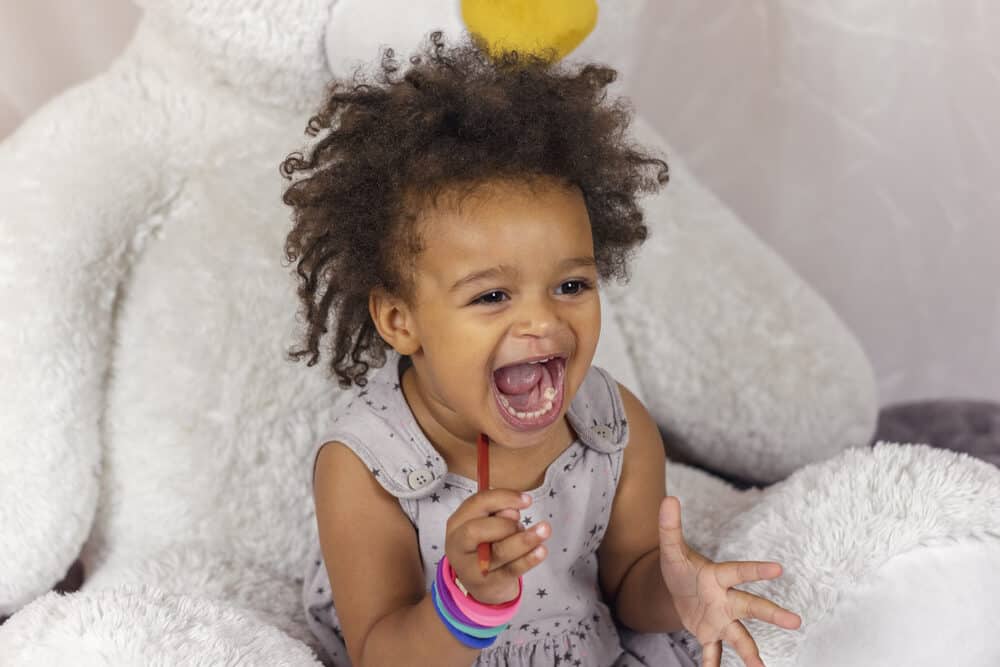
[(472, 609), (448, 602), (452, 577), (466, 640), (451, 605), (482, 633), (462, 596), (468, 603)]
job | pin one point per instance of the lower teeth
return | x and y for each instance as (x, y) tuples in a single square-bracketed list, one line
[(530, 415), (548, 395)]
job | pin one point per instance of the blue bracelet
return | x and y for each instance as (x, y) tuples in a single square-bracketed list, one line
[(467, 640)]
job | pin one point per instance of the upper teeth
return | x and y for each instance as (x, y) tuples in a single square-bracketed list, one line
[(540, 361)]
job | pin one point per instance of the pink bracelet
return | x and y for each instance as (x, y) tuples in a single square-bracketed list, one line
[(483, 614)]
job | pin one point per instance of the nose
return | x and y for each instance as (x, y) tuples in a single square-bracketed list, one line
[(536, 318)]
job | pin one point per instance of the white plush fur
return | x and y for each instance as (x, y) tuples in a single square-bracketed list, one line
[(889, 555), (834, 525), (144, 627), (151, 418), (924, 607), (746, 367)]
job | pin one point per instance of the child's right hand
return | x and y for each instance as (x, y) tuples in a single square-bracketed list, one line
[(494, 516)]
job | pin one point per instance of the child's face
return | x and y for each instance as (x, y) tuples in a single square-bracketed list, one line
[(507, 278)]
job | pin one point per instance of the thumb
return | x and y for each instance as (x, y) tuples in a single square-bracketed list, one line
[(673, 548)]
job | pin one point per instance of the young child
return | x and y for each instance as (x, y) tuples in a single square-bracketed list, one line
[(453, 221)]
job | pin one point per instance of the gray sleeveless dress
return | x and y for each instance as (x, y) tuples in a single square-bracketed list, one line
[(562, 619)]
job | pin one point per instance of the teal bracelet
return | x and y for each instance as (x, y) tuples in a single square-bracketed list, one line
[(482, 633)]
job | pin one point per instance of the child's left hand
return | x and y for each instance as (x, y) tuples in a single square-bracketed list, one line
[(703, 593)]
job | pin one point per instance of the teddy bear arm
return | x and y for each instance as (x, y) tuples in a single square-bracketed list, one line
[(79, 194)]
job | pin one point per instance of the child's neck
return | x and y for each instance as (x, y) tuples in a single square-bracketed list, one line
[(519, 470)]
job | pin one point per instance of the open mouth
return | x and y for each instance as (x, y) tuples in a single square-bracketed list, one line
[(529, 394)]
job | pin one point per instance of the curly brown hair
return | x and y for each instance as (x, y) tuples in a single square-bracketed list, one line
[(455, 118)]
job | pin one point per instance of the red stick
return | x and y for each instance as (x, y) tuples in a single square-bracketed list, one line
[(483, 483)]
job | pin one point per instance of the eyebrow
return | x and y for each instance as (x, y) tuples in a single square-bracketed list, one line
[(496, 271)]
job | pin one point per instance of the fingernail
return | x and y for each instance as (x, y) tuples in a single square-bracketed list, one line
[(541, 530), (539, 552), (525, 498)]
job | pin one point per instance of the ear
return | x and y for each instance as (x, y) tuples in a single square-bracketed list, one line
[(394, 321)]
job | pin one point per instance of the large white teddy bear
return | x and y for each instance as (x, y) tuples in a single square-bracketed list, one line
[(152, 424)]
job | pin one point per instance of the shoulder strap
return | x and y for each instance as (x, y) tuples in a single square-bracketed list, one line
[(379, 428), (597, 413)]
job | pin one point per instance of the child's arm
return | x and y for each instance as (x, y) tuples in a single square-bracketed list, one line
[(373, 561), (644, 552), (629, 553)]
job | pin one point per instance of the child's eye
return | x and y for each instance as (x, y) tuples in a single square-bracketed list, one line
[(574, 287), (496, 296)]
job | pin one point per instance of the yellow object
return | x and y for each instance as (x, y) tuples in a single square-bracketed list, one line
[(530, 25)]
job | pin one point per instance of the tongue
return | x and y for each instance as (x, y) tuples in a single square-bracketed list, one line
[(518, 379), (524, 385)]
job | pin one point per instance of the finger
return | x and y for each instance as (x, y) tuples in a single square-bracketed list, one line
[(518, 567), (510, 514), (747, 605), (732, 573), (467, 537), (673, 548), (737, 634), (711, 654), (489, 502), (515, 546)]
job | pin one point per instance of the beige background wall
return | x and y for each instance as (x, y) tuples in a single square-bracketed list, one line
[(47, 45), (859, 139)]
